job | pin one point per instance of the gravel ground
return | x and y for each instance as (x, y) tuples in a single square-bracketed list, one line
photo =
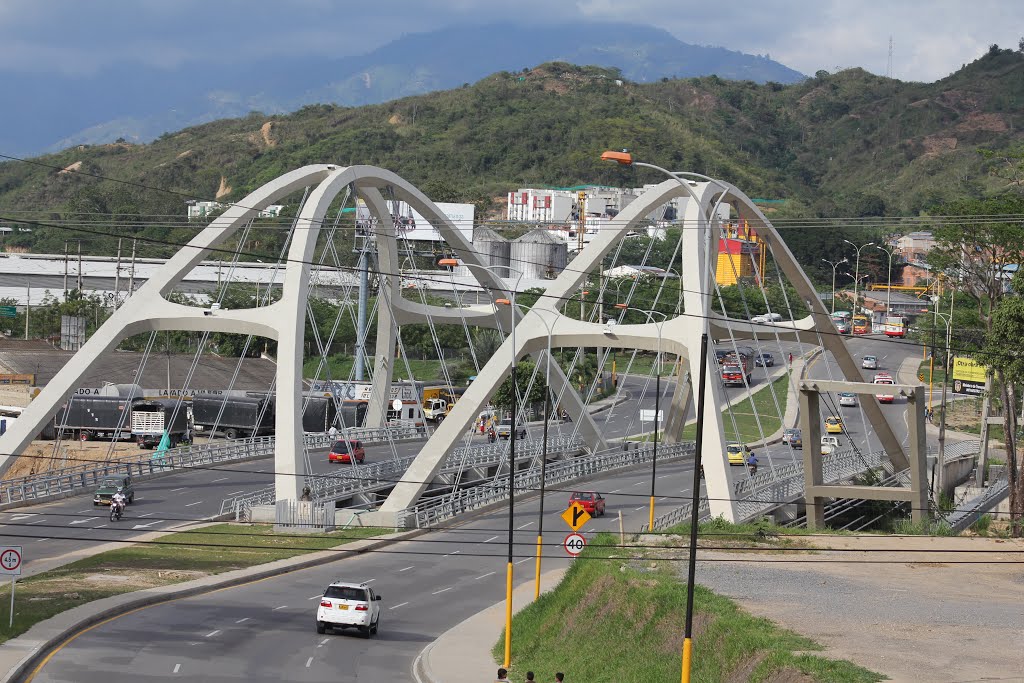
[(918, 618)]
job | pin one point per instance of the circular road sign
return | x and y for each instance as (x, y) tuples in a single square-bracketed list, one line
[(10, 559), (397, 404), (574, 544)]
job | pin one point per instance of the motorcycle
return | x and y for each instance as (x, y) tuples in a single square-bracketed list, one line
[(116, 510)]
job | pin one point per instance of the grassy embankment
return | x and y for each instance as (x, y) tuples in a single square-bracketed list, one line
[(619, 618), (174, 558)]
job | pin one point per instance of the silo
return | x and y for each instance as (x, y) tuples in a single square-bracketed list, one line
[(539, 255), (495, 249)]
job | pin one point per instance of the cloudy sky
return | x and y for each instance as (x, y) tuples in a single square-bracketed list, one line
[(931, 37)]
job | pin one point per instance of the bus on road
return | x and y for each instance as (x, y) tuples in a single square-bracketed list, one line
[(895, 326), (861, 324)]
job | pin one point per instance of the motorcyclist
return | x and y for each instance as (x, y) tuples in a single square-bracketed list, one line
[(752, 463), (118, 500)]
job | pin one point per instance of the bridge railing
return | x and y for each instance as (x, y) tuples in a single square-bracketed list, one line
[(385, 474), (430, 512)]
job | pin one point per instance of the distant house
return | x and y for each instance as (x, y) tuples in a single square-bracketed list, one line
[(915, 246), (199, 210)]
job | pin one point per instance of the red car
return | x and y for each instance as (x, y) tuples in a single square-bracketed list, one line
[(344, 449), (591, 501)]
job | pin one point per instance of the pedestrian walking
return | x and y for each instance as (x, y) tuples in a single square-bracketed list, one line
[(502, 674), (791, 361)]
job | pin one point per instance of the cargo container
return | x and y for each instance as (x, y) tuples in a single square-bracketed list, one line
[(92, 417), (238, 417)]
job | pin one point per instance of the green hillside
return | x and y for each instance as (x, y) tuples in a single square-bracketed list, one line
[(844, 144)]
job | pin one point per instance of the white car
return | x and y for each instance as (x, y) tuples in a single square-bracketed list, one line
[(344, 605), (848, 400), (829, 444), (869, 363)]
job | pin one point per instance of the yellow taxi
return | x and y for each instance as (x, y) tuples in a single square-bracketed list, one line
[(737, 453), (834, 425)]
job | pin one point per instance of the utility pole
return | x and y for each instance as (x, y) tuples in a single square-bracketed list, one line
[(131, 273), (65, 271), (28, 304), (364, 285), (79, 267), (117, 275)]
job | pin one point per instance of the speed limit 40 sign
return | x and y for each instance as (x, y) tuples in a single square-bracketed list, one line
[(574, 544), (10, 560)]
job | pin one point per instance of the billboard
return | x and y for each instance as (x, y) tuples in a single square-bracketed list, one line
[(968, 376), (410, 225)]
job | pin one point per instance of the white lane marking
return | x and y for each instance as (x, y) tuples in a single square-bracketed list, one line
[(212, 633), (663, 498), (82, 521), (40, 540), (17, 517), (177, 668), (526, 559), (485, 576), (443, 590), (242, 620), (315, 597), (490, 539), (147, 514), (308, 662), (101, 526), (85, 512), (615, 491), (638, 483), (523, 526), (640, 508), (143, 526), (277, 608), (188, 505), (454, 552), (372, 580), (664, 476), (323, 642), (221, 479), (235, 493), (401, 604), (406, 569), (37, 521), (181, 489)]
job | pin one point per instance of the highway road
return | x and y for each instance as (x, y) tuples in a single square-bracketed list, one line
[(265, 631)]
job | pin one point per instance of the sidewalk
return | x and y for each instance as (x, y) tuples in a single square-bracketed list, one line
[(462, 654)]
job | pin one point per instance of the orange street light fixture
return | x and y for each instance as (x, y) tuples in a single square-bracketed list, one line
[(622, 306), (448, 262), (624, 158), (503, 302)]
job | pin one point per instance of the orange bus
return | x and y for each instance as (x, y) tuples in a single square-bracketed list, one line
[(861, 324)]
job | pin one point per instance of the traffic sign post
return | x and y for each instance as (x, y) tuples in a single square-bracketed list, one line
[(8, 312), (576, 516), (10, 564), (574, 544)]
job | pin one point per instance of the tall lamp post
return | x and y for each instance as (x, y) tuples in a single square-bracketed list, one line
[(856, 276), (657, 398), (834, 264), (626, 159), (512, 443), (888, 286), (948, 320)]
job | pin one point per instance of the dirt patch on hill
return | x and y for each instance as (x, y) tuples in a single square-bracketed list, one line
[(265, 132), (396, 120), (989, 123), (934, 145), (224, 188), (70, 168)]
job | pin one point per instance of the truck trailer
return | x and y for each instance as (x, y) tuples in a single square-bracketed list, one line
[(234, 417), (152, 417), (92, 417)]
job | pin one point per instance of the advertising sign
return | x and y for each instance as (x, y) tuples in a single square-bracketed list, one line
[(968, 376)]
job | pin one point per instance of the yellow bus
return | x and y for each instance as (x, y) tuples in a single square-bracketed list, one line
[(861, 324)]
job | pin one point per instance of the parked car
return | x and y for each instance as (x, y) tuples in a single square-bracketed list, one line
[(869, 363), (834, 424), (793, 438), (348, 605), (343, 450), (591, 501), (111, 485), (764, 360), (737, 453), (505, 430), (847, 400)]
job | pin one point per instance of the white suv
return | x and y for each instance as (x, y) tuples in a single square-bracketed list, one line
[(348, 604)]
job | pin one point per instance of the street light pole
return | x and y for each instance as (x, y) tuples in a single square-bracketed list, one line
[(657, 399), (939, 468), (888, 287), (856, 277), (834, 264), (626, 159)]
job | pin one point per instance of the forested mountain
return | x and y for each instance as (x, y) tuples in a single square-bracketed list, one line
[(835, 145)]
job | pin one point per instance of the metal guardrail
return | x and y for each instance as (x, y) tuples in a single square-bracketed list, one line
[(429, 513), (37, 487), (971, 511), (384, 474)]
